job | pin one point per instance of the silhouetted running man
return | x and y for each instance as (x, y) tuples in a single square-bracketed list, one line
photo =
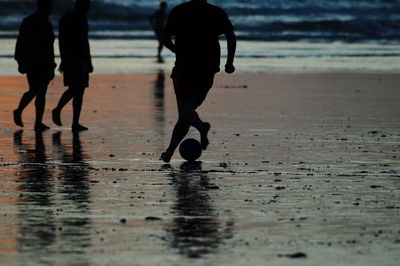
[(34, 53), (196, 26), (76, 62), (157, 21)]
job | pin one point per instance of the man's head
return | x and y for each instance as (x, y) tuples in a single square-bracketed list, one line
[(45, 6), (163, 5), (82, 6)]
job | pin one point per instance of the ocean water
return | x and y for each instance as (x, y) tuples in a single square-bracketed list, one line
[(273, 34), (269, 20)]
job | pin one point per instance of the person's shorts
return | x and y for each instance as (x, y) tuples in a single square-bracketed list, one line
[(159, 34), (38, 80), (76, 78), (192, 86)]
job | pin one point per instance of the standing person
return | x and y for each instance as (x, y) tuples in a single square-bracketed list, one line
[(196, 26), (76, 62), (157, 21), (34, 53)]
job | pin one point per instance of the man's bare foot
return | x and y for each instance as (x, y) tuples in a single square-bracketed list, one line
[(55, 114), (203, 135), (166, 156), (17, 118), (78, 127), (41, 127)]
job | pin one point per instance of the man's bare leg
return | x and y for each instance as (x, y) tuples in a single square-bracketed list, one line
[(77, 108), (186, 114), (203, 128), (25, 100), (40, 103), (65, 98)]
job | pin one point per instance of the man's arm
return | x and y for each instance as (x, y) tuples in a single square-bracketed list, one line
[(20, 48), (168, 42), (231, 40)]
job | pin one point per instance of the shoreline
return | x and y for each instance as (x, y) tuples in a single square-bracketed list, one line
[(221, 75), (136, 57)]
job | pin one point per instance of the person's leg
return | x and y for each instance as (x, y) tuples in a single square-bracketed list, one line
[(65, 98), (40, 103), (26, 98), (186, 114), (205, 82), (203, 128), (160, 47), (77, 108), (159, 35)]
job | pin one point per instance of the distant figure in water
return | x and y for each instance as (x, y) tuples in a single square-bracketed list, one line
[(34, 53), (157, 21), (196, 26), (76, 62)]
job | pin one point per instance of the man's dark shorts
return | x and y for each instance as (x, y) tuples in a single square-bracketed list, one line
[(76, 76), (191, 86), (38, 80), (159, 34)]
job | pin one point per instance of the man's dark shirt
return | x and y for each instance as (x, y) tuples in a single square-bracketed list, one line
[(34, 50), (197, 26), (158, 19), (74, 41)]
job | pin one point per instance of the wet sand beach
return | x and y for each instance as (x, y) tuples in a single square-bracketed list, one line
[(302, 169)]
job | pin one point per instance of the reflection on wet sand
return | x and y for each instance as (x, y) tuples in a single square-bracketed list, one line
[(75, 191), (53, 217), (36, 218), (158, 92), (196, 230)]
